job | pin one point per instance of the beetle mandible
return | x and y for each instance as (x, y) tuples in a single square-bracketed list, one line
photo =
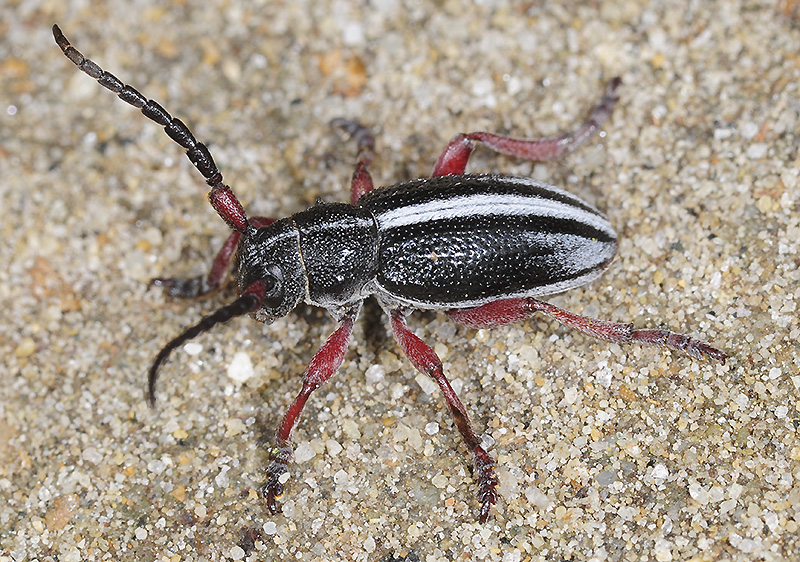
[(480, 248)]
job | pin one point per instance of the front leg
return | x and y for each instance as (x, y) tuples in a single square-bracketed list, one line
[(322, 367), (200, 286), (427, 362)]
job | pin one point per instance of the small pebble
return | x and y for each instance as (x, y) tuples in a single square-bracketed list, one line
[(25, 348), (241, 367)]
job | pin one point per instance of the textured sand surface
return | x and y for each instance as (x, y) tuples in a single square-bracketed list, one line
[(605, 452)]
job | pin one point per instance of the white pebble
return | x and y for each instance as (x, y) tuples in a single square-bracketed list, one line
[(156, 466), (570, 395), (432, 428), (333, 447), (749, 130), (427, 384), (341, 479), (369, 544), (241, 368), (304, 452), (698, 493), (353, 34), (756, 151), (375, 374), (660, 471), (193, 348), (91, 455), (221, 479), (663, 550)]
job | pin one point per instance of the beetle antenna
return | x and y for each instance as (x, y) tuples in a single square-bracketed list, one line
[(221, 197), (250, 301)]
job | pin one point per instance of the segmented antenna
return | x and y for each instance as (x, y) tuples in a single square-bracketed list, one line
[(222, 198), (245, 304)]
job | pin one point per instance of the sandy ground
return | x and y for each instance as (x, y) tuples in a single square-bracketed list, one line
[(605, 452)]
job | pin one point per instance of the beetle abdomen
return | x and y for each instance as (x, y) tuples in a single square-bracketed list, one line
[(462, 241)]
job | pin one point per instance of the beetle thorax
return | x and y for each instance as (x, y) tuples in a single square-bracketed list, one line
[(339, 249)]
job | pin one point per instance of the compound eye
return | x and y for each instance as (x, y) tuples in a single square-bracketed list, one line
[(273, 281)]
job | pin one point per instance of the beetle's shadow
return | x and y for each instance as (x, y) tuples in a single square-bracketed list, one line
[(375, 326)]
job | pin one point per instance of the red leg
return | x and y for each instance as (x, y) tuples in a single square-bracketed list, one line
[(513, 310), (454, 157), (427, 362), (322, 367), (362, 180), (195, 287)]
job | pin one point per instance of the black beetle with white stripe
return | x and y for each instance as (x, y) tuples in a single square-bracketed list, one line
[(480, 248)]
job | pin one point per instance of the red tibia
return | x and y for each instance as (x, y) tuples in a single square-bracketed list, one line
[(508, 311), (322, 367), (228, 207), (496, 313), (427, 362), (219, 267), (453, 159), (195, 287), (223, 259)]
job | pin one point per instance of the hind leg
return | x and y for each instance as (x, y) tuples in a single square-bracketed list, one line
[(508, 311), (365, 141), (453, 159)]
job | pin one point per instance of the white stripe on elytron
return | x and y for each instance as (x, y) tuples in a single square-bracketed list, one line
[(465, 206)]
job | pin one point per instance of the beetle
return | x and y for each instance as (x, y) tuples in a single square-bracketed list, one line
[(479, 247)]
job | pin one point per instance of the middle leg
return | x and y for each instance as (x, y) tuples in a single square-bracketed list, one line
[(427, 362), (361, 182)]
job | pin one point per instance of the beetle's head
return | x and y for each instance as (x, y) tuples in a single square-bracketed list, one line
[(272, 281), (269, 257)]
